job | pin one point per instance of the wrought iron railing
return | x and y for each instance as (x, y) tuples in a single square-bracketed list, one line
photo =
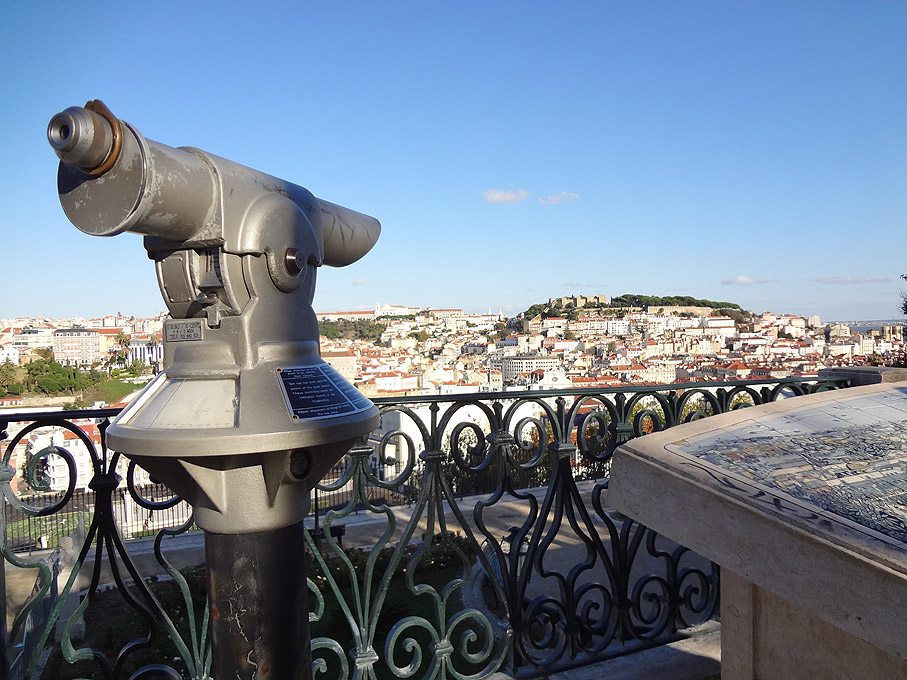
[(468, 534)]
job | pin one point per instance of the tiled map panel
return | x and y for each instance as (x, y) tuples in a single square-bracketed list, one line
[(847, 457)]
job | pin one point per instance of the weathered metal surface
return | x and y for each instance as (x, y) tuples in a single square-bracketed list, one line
[(257, 593)]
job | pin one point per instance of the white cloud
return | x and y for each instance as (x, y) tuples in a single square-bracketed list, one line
[(745, 281), (563, 197), (851, 280), (504, 196), (359, 282)]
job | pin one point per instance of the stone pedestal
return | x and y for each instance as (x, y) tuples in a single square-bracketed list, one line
[(767, 636), (799, 502)]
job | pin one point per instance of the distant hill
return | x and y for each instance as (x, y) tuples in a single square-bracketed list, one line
[(628, 300), (634, 300)]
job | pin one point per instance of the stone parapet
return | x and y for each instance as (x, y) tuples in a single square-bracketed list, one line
[(866, 375)]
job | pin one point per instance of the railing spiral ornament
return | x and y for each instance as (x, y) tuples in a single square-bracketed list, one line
[(530, 440), (136, 494), (468, 447), (320, 667), (31, 469), (699, 593), (647, 421), (657, 410), (595, 435), (467, 436), (411, 456), (741, 397), (696, 404), (102, 545), (785, 390)]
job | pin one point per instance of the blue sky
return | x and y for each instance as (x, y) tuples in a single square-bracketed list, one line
[(513, 151)]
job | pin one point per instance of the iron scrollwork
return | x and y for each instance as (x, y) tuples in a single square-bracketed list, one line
[(480, 535)]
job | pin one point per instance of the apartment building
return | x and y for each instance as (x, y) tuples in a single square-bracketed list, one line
[(343, 361), (33, 337), (444, 313), (518, 364), (77, 346)]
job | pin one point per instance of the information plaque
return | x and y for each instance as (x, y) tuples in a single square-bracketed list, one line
[(316, 392), (188, 330)]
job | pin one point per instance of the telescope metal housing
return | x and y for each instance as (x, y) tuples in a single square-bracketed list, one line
[(245, 417)]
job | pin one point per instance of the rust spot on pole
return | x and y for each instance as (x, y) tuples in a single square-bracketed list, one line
[(259, 605)]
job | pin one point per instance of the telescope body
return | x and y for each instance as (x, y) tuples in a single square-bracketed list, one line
[(245, 417)]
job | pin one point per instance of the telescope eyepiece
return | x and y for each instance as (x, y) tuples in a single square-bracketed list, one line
[(85, 138), (60, 133)]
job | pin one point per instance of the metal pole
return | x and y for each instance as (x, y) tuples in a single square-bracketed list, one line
[(259, 605), (315, 494), (4, 659)]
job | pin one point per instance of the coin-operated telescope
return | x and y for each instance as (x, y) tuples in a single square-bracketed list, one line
[(245, 418)]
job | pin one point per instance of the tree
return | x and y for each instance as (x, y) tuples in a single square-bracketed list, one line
[(50, 384), (123, 341), (361, 329), (738, 315), (153, 341), (900, 359), (8, 376), (534, 310), (329, 329), (33, 371)]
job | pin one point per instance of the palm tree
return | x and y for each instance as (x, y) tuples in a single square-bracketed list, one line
[(122, 340), (153, 341)]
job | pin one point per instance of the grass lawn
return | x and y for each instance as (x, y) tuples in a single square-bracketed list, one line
[(109, 391)]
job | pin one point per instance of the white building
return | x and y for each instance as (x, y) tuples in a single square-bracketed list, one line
[(395, 310), (395, 381), (618, 327), (719, 326), (147, 352), (32, 338), (365, 315), (513, 366), (9, 353)]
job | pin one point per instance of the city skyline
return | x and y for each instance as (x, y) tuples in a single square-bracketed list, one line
[(478, 311), (512, 153)]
